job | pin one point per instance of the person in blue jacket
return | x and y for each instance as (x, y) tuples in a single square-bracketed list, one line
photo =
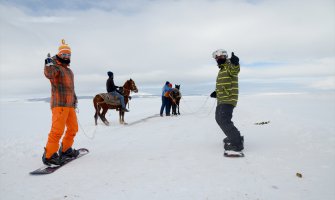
[(165, 100)]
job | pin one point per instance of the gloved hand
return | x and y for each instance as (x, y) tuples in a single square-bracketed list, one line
[(213, 95), (48, 61), (129, 97), (76, 107), (234, 59)]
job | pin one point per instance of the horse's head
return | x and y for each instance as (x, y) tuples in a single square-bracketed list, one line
[(131, 85), (177, 86)]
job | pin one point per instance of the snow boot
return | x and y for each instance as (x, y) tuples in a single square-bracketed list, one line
[(68, 154), (228, 145), (226, 140), (53, 160)]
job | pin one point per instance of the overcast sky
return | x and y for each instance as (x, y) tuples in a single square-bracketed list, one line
[(286, 45)]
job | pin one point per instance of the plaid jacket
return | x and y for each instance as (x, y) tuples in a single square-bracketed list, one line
[(227, 84), (62, 85)]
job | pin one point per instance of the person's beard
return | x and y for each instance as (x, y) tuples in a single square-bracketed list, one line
[(63, 61)]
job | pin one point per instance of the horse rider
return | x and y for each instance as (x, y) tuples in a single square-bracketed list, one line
[(112, 89)]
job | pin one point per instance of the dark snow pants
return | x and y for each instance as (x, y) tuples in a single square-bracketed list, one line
[(165, 105), (223, 116)]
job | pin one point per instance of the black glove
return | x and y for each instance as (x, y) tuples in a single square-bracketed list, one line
[(213, 95), (234, 59), (129, 97), (48, 61)]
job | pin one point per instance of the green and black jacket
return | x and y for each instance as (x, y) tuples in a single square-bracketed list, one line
[(227, 84)]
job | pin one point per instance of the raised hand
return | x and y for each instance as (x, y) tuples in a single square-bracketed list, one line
[(48, 61), (234, 59)]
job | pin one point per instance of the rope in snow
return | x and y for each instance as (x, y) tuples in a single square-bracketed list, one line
[(201, 108), (89, 137), (191, 110), (213, 105), (143, 119), (83, 130)]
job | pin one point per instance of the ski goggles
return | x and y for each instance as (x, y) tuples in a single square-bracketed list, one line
[(64, 55)]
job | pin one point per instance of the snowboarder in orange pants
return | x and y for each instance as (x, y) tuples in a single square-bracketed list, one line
[(63, 103)]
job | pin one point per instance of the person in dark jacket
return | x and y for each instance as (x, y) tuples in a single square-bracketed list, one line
[(165, 99), (112, 89), (227, 96)]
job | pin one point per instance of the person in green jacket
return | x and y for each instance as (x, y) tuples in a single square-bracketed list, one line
[(226, 93)]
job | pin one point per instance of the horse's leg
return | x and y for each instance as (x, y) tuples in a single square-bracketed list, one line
[(120, 116), (174, 109), (178, 102), (96, 118), (102, 116), (97, 110)]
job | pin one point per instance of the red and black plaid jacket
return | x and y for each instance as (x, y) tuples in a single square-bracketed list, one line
[(62, 85)]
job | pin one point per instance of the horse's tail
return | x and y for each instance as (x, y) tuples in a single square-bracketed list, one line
[(94, 104), (97, 104)]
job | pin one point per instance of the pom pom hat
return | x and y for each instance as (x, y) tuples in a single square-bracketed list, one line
[(64, 49)]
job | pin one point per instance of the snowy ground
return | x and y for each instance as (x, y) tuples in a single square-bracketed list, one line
[(174, 158)]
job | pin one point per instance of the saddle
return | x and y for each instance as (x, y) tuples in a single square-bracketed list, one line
[(110, 99)]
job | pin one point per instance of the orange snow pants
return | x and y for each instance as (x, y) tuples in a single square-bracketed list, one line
[(61, 117)]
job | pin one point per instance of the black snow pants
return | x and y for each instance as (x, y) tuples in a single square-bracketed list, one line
[(223, 116)]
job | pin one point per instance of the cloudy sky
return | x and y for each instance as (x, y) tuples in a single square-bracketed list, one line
[(283, 46)]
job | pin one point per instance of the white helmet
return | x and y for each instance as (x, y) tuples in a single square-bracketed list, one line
[(219, 52)]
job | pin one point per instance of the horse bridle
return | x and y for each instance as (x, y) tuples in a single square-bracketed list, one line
[(132, 86)]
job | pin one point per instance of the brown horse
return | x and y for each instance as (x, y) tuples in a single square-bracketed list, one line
[(100, 103)]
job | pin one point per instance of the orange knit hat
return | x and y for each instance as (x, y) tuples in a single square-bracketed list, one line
[(64, 48)]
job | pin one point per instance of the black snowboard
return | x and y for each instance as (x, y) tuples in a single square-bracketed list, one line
[(233, 154), (51, 169)]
